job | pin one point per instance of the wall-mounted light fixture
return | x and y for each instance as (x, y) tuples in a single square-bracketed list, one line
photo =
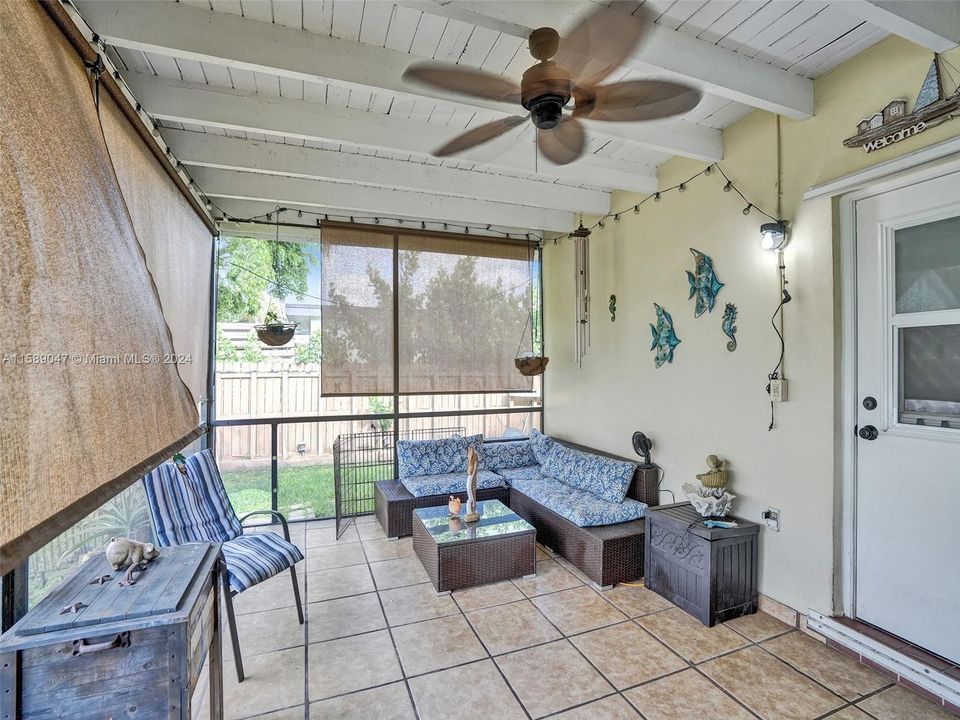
[(773, 235)]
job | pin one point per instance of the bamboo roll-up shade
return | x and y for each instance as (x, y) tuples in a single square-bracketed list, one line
[(88, 403), (176, 243)]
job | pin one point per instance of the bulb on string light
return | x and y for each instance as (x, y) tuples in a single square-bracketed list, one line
[(726, 188), (709, 170), (600, 223), (636, 209), (682, 187), (423, 225), (444, 226), (616, 218), (376, 221), (746, 210), (656, 197), (299, 213)]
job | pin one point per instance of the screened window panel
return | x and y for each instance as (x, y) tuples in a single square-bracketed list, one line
[(356, 316), (464, 305)]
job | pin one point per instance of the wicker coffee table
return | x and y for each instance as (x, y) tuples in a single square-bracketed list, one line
[(499, 546)]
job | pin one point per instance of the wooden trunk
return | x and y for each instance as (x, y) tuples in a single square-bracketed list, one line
[(710, 573), (124, 651)]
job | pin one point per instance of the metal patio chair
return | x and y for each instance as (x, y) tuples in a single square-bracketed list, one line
[(193, 507)]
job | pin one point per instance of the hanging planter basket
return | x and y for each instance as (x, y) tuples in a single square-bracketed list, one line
[(276, 335), (531, 365)]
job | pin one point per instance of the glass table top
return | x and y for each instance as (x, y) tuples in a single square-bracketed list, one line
[(496, 520)]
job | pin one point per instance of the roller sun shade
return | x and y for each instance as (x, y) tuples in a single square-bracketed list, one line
[(91, 397), (175, 241), (461, 307)]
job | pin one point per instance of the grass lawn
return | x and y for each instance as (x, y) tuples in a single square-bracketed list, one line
[(304, 491)]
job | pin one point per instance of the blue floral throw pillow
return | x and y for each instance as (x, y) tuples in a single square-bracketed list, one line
[(508, 454), (542, 444), (434, 457), (603, 477)]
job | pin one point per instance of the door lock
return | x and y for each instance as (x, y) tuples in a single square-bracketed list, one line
[(869, 432), (870, 402)]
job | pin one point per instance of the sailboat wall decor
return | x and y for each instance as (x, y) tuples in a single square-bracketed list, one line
[(891, 124)]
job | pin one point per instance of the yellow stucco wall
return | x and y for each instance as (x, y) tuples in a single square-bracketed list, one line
[(711, 400)]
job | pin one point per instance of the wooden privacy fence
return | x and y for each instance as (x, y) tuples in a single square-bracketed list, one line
[(285, 389)]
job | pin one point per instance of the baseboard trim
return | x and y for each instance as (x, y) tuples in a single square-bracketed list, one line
[(907, 670)]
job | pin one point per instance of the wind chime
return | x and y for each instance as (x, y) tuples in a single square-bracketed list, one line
[(581, 239)]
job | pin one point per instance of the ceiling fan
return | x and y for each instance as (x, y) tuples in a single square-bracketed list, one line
[(602, 40)]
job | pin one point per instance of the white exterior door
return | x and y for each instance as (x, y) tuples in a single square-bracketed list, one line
[(907, 561)]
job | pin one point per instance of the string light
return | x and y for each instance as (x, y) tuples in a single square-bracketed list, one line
[(656, 198), (708, 170), (299, 213), (636, 209), (682, 187), (746, 210), (726, 188), (616, 218)]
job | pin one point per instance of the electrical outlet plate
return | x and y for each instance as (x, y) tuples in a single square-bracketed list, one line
[(778, 390), (771, 516)]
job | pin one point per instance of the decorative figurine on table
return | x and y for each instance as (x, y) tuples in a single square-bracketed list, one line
[(472, 462), (126, 553), (709, 497), (453, 505)]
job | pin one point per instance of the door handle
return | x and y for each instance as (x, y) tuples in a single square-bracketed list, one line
[(869, 432)]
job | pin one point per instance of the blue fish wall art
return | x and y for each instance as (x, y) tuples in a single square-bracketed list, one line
[(704, 285), (730, 325), (664, 337)]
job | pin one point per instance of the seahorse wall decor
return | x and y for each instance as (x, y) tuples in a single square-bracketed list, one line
[(729, 325), (613, 308)]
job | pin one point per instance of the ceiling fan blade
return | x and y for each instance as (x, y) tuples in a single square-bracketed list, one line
[(464, 81), (635, 100), (480, 134), (564, 143), (605, 36)]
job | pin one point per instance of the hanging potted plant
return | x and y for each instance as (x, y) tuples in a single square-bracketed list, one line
[(274, 331), (531, 362)]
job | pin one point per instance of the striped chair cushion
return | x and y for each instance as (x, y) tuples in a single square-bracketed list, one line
[(253, 558), (191, 508)]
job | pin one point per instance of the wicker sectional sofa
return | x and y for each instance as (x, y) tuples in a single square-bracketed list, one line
[(606, 553)]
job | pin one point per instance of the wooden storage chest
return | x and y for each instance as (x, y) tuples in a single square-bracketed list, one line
[(709, 572), (96, 649)]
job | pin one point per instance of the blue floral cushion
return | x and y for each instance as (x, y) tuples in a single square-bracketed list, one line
[(528, 472), (542, 444), (604, 477), (450, 483), (508, 454), (581, 508), (435, 457)]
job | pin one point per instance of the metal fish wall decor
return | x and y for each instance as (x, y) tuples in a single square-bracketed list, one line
[(703, 283), (664, 337), (729, 325)]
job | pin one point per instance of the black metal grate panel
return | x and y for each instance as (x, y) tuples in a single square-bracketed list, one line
[(361, 459)]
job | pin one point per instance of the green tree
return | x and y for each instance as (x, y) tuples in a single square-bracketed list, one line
[(250, 267), (309, 352), (251, 351), (226, 350)]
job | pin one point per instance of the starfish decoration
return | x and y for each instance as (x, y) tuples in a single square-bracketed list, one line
[(75, 608), (102, 580)]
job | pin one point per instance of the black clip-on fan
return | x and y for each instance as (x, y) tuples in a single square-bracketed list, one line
[(642, 445)]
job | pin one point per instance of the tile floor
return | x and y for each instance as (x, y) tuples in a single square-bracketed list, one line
[(380, 644)]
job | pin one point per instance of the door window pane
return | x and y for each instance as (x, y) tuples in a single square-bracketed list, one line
[(930, 375), (928, 266)]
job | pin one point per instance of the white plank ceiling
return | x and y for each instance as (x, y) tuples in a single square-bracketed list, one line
[(322, 78)]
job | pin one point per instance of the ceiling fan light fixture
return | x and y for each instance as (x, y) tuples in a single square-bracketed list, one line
[(546, 111)]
